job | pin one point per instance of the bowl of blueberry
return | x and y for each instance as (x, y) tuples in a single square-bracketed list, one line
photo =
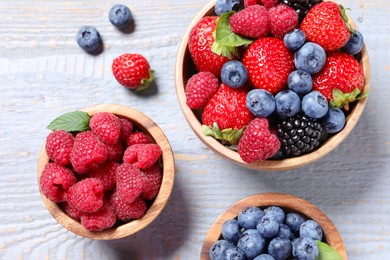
[(267, 84), (272, 226)]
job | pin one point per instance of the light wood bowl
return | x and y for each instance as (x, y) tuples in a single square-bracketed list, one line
[(145, 124), (185, 68), (290, 204)]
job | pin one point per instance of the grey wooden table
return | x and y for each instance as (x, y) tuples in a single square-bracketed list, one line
[(43, 73)]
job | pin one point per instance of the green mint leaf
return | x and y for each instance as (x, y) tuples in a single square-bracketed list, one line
[(327, 252), (224, 34), (77, 121)]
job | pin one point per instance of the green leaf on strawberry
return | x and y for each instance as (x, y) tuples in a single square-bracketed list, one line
[(77, 121), (326, 252), (342, 100), (226, 136), (343, 11), (145, 83)]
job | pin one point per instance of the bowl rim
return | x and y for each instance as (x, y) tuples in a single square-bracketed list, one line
[(159, 203), (285, 201), (267, 165)]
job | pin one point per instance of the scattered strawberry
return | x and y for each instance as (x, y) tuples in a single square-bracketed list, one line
[(126, 129), (129, 182), (283, 19), (106, 126), (125, 211), (106, 174), (253, 22), (59, 146), (200, 88), (142, 155), (86, 195), (153, 178), (138, 138), (100, 220)]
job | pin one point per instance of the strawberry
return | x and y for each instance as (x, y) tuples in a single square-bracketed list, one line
[(133, 71), (326, 24), (252, 21), (269, 63), (200, 88)]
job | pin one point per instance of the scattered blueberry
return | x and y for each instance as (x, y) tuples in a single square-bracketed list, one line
[(252, 243), (234, 74), (310, 57), (294, 39), (288, 103), (216, 251), (294, 222), (280, 248), (305, 248), (264, 257), (333, 121), (231, 231), (268, 226), (88, 38), (355, 44), (284, 232), (233, 253), (224, 6), (300, 82), (311, 229), (249, 217), (120, 16), (315, 105), (260, 102)]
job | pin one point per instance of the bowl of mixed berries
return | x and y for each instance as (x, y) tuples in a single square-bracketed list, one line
[(272, 85), (271, 226), (105, 171)]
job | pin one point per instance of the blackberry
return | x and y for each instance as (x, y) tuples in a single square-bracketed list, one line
[(299, 135), (301, 7)]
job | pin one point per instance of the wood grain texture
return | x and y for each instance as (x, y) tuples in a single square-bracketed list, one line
[(43, 73)]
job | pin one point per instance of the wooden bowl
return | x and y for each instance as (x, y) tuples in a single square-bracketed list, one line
[(145, 124), (290, 204), (185, 69)]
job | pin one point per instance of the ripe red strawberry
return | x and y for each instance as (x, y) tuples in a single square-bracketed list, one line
[(200, 88), (269, 63), (133, 71), (252, 21), (257, 142), (129, 182), (59, 145), (142, 155), (126, 129), (324, 24), (153, 177), (125, 211), (138, 138), (106, 126), (283, 19)]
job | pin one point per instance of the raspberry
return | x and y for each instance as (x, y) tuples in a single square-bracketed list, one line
[(106, 174), (270, 3), (55, 180), (142, 155), (73, 213), (124, 211), (86, 195), (87, 153), (115, 152), (153, 177), (138, 138), (251, 2), (283, 19), (100, 220), (126, 129), (106, 126), (59, 146), (200, 88), (252, 21), (129, 182)]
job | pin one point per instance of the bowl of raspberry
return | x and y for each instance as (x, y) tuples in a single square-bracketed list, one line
[(267, 84), (271, 226), (105, 171)]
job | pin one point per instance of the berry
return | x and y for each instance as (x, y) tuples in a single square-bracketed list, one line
[(355, 44), (217, 249), (100, 220), (252, 22), (129, 182), (294, 222), (277, 212), (73, 213), (252, 243), (234, 74), (270, 3), (311, 229), (280, 248), (86, 195), (231, 231), (200, 88), (152, 182), (88, 152), (248, 3), (106, 126), (234, 253), (59, 145), (264, 257), (120, 16), (314, 104), (55, 181), (249, 217), (284, 232), (311, 58), (305, 248), (142, 155), (126, 129), (283, 19), (115, 152), (127, 211), (225, 6), (132, 71), (288, 103), (88, 38), (300, 82), (106, 174), (333, 121), (269, 63), (268, 226), (294, 39), (257, 142), (138, 138), (301, 7), (260, 102)]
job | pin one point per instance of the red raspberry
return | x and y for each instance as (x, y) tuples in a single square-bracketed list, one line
[(88, 152), (138, 138), (100, 220), (59, 146), (73, 213), (270, 3), (283, 19), (153, 178), (142, 155), (251, 2), (126, 129), (106, 126), (115, 152), (252, 22), (106, 174), (129, 182), (200, 88), (124, 211), (257, 142), (86, 195), (55, 180)]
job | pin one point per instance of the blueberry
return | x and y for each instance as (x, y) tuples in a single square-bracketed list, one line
[(233, 253), (300, 82), (88, 38), (231, 231), (252, 243), (311, 229), (315, 104), (310, 57), (260, 102), (288, 103), (264, 257), (120, 16), (217, 249), (234, 74), (284, 232), (279, 213), (249, 217), (305, 248), (333, 121), (294, 222), (268, 226), (355, 44), (294, 39), (280, 248), (224, 6)]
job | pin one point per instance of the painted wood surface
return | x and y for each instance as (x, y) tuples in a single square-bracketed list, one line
[(43, 73)]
